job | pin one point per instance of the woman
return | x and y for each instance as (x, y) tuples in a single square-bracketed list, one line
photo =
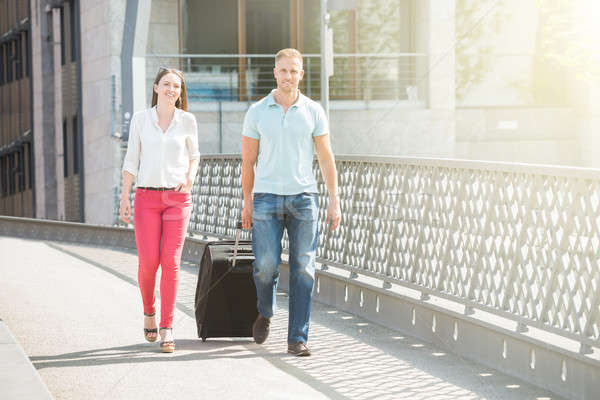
[(162, 156)]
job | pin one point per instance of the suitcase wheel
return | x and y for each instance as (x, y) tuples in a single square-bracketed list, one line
[(204, 339)]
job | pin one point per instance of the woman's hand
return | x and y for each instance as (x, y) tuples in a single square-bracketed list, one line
[(125, 209), (185, 187)]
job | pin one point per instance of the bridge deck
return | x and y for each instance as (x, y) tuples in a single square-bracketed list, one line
[(76, 312)]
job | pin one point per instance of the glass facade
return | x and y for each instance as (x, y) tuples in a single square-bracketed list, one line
[(262, 27)]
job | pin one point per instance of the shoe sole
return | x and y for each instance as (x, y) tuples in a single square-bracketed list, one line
[(259, 340), (300, 354)]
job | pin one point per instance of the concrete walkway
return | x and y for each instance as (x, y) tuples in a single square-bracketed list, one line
[(76, 312)]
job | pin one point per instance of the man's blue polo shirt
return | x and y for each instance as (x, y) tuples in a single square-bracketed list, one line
[(286, 148)]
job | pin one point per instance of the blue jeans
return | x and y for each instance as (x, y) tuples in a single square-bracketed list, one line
[(298, 215)]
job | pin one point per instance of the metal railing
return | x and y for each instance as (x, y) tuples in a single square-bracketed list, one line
[(518, 241), (247, 77)]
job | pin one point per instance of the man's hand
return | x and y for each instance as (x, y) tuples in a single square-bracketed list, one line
[(334, 214), (125, 209), (247, 215)]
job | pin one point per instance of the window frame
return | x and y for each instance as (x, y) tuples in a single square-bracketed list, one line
[(75, 142), (65, 149)]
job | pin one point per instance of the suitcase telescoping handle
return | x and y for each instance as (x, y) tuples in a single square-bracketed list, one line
[(237, 240)]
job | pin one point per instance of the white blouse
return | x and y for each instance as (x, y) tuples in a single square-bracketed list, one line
[(160, 159)]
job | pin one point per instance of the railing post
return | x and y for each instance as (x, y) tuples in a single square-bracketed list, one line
[(367, 87), (220, 127), (308, 78), (592, 318), (248, 95), (241, 79), (399, 80)]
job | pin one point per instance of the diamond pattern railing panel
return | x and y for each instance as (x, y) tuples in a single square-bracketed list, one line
[(521, 241)]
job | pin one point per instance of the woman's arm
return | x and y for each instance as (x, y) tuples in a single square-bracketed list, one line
[(191, 143), (125, 207), (130, 169), (189, 177)]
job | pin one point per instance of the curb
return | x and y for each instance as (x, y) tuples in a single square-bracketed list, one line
[(18, 377)]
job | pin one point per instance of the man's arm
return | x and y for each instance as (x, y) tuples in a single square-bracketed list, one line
[(249, 157), (329, 171)]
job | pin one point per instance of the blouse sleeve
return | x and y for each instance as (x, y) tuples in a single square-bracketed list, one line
[(132, 157), (191, 141)]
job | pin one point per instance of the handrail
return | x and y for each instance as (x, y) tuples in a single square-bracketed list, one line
[(391, 55), (519, 241)]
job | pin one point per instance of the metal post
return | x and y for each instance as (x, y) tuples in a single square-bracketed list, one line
[(308, 78), (250, 93), (220, 127), (248, 66), (367, 85), (324, 72)]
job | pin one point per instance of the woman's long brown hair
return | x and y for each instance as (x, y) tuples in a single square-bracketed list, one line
[(182, 100)]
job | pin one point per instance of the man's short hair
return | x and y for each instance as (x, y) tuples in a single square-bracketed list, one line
[(292, 53)]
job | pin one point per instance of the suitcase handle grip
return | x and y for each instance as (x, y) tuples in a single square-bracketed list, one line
[(237, 240)]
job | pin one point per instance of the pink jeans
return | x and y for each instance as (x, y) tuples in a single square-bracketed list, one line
[(161, 221)]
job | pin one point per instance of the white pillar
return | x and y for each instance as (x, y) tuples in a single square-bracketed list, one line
[(138, 63), (436, 37), (58, 115), (589, 130), (38, 111)]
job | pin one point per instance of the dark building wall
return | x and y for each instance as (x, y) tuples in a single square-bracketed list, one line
[(70, 107), (16, 166)]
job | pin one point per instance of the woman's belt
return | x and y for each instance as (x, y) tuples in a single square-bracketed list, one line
[(158, 189)]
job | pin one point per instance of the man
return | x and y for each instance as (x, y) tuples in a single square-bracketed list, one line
[(281, 133)]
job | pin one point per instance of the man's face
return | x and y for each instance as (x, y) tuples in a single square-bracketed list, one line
[(288, 74)]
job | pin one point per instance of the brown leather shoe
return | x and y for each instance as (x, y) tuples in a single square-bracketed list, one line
[(299, 349), (260, 329)]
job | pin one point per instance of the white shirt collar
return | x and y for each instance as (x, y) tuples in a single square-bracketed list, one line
[(176, 116)]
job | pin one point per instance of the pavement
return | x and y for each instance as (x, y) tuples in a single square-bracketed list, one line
[(75, 311)]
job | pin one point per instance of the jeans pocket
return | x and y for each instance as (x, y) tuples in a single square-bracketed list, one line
[(259, 197)]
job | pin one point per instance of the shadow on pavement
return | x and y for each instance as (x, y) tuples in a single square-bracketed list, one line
[(149, 352), (352, 357)]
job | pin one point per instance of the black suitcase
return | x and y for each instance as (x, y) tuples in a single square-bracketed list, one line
[(225, 293)]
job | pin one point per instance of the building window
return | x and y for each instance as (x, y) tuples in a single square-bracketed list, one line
[(18, 58), (62, 36), (9, 65), (11, 173), (2, 64), (28, 166), (65, 154), (20, 181), (3, 175), (31, 166), (72, 20), (75, 146), (27, 53)]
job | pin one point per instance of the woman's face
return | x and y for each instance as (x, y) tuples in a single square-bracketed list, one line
[(168, 89)]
